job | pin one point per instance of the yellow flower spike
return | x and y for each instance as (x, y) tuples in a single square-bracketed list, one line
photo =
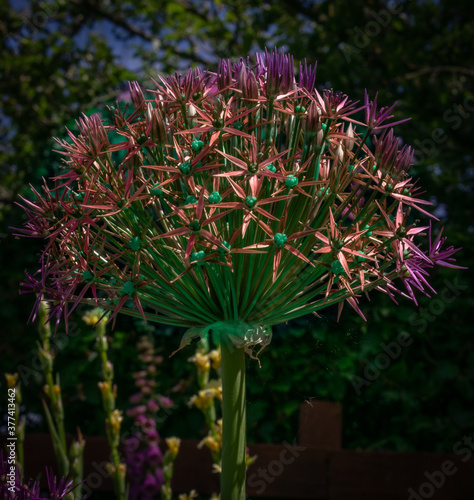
[(46, 389), (209, 442), (250, 460), (57, 389), (104, 388), (91, 318), (123, 470), (116, 421), (214, 384), (215, 357), (110, 468), (173, 445), (12, 379), (216, 392), (113, 469), (203, 400), (192, 494), (218, 429), (211, 393), (201, 361)]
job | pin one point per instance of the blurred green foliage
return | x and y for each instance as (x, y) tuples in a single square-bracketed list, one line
[(60, 58)]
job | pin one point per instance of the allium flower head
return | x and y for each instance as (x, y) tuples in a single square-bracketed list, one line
[(240, 195), (13, 485), (279, 73)]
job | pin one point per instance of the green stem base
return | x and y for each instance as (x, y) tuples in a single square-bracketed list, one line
[(233, 475)]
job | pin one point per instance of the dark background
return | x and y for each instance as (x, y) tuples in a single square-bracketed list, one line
[(60, 58)]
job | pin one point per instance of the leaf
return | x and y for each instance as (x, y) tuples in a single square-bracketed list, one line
[(290, 407), (189, 336), (59, 451)]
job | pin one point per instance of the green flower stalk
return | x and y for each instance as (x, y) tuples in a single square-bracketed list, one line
[(210, 391), (108, 390), (69, 463), (168, 466), (234, 201)]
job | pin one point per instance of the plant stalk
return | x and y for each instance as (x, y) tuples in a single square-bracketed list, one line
[(234, 421)]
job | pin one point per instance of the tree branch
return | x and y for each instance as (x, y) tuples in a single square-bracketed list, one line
[(437, 69), (117, 19)]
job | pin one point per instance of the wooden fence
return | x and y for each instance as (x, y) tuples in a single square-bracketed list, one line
[(311, 467)]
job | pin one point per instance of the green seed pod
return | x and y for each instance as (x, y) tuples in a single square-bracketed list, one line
[(197, 145), (271, 168), (360, 259), (323, 191), (337, 268), (291, 181), (214, 197), (190, 200), (222, 250), (195, 256), (142, 139), (128, 288), (185, 168), (87, 276), (195, 226), (280, 240), (134, 243), (251, 201), (156, 190), (253, 168)]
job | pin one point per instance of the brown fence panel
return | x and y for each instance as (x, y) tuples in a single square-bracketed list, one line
[(289, 470), (320, 424), (364, 475), (310, 467)]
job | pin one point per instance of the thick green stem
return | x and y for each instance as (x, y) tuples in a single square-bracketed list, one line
[(233, 418)]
